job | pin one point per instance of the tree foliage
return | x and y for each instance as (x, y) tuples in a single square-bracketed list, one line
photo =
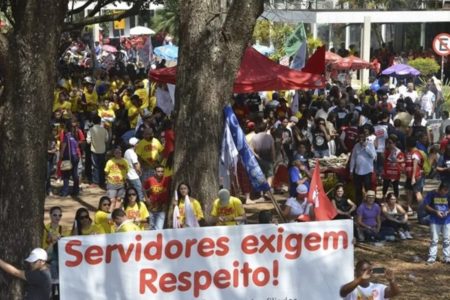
[(168, 19), (266, 32), (427, 66)]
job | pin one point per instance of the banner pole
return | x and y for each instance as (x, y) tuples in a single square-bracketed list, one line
[(442, 69), (277, 207)]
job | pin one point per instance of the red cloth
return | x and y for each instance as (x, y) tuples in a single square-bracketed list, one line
[(323, 208), (257, 73), (242, 176), (169, 144), (316, 63)]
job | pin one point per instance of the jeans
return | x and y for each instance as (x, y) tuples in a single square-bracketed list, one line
[(66, 176), (137, 184), (146, 173), (361, 181), (387, 183), (435, 229), (98, 168), (379, 164), (157, 219)]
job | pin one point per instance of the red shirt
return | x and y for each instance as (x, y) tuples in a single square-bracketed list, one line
[(392, 167), (409, 163), (158, 191)]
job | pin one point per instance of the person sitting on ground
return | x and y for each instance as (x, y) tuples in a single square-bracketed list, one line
[(298, 208), (395, 217), (38, 281), (344, 206), (123, 224), (227, 210), (437, 204), (83, 224), (368, 219), (296, 176), (362, 288)]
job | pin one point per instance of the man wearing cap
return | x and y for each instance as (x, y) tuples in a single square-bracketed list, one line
[(134, 167), (227, 210), (38, 281), (298, 208)]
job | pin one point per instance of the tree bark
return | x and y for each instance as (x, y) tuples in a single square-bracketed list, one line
[(211, 48), (28, 62)]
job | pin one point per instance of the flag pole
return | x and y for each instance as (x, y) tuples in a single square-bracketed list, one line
[(277, 207)]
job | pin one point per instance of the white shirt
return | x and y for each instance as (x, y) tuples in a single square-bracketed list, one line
[(413, 95), (132, 158), (426, 103), (375, 291), (298, 209), (381, 134)]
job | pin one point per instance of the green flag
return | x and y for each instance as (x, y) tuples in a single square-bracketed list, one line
[(295, 40)]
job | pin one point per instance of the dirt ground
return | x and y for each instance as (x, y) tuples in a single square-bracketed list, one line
[(407, 258)]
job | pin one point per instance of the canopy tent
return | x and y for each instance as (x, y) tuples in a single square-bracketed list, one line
[(400, 70), (257, 73), (141, 30), (331, 57), (351, 63), (316, 63)]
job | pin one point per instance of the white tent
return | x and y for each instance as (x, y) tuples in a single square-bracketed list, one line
[(141, 30)]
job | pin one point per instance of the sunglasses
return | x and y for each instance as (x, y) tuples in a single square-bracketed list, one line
[(131, 194), (56, 215), (83, 217), (106, 204)]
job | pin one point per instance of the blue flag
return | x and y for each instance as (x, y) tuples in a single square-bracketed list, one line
[(255, 174)]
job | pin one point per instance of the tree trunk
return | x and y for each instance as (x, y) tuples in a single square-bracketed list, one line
[(28, 60), (211, 48)]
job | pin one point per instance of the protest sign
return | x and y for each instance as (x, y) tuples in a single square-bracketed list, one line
[(289, 261)]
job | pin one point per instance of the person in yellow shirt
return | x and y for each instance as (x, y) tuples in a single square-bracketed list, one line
[(53, 231), (135, 209), (149, 151), (183, 192), (63, 105), (83, 224), (102, 216), (134, 111), (227, 210), (116, 170), (123, 224), (90, 97), (142, 92)]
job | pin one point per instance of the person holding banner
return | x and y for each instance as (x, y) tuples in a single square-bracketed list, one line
[(227, 210), (362, 288), (298, 208), (102, 216), (135, 209), (83, 224)]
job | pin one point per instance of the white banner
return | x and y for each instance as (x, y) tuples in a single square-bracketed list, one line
[(289, 261)]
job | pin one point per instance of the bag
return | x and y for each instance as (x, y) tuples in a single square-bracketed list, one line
[(66, 165), (426, 163)]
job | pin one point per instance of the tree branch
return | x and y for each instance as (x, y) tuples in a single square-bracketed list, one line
[(80, 9), (238, 10), (134, 10)]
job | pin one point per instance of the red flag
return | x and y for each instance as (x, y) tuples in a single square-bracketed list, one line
[(323, 208), (316, 63)]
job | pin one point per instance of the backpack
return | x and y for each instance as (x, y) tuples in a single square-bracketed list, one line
[(426, 163)]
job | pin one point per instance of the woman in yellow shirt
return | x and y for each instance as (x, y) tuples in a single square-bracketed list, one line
[(135, 209), (83, 224), (184, 220), (102, 217), (52, 231)]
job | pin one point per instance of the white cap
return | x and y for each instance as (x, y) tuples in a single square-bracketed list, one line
[(302, 189), (133, 141), (37, 254)]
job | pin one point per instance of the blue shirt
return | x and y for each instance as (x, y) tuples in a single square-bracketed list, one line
[(294, 176), (440, 203), (362, 159)]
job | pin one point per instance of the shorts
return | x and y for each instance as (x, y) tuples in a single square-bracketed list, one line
[(266, 167), (417, 187), (115, 191)]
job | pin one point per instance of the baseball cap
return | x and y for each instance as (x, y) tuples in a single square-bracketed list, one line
[(133, 141), (37, 254), (370, 193), (302, 189)]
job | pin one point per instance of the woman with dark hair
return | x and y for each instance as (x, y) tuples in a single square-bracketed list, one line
[(53, 231), (135, 209), (69, 158), (102, 216), (188, 211), (83, 224), (344, 206), (395, 217)]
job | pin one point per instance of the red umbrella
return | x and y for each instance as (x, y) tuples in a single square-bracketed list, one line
[(109, 48), (351, 63), (331, 57)]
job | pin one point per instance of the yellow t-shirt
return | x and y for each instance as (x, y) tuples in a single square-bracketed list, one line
[(106, 113), (65, 107), (116, 170), (49, 232), (128, 227), (103, 219), (91, 100), (143, 95), (232, 210), (93, 229), (133, 114), (195, 206), (136, 212), (127, 101), (149, 151)]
